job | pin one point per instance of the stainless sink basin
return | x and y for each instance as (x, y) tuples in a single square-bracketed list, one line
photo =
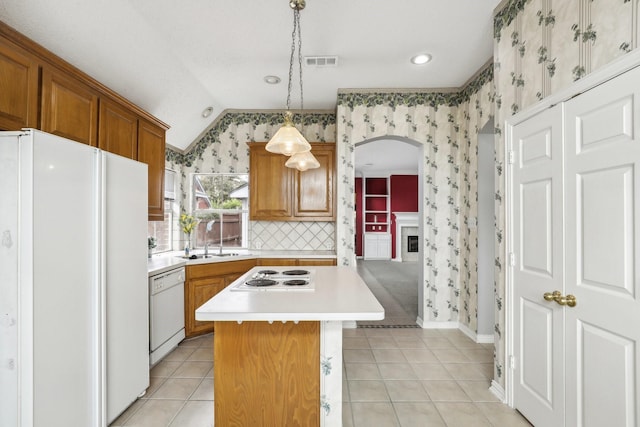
[(201, 256)]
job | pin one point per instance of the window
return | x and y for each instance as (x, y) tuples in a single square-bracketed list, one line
[(221, 204), (162, 230)]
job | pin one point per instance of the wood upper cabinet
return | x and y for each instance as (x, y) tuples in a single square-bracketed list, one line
[(118, 130), (151, 148), (271, 185), (18, 88), (69, 107), (314, 188), (279, 193)]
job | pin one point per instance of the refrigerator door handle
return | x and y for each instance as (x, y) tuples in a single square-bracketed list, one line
[(101, 327)]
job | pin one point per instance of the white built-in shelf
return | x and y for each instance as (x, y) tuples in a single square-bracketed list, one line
[(376, 218)]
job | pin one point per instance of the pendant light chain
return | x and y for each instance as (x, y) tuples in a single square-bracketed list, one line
[(288, 140), (293, 51), (297, 32), (297, 18)]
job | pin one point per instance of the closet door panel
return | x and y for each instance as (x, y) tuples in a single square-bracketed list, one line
[(602, 211), (539, 253)]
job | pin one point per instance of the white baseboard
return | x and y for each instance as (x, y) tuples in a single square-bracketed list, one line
[(349, 324), (480, 339), (419, 321), (497, 391), (438, 325), (486, 339)]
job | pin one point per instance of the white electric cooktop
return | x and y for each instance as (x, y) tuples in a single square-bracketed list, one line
[(274, 279)]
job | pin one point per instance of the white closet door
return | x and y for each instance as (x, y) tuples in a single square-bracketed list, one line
[(603, 264), (538, 248)]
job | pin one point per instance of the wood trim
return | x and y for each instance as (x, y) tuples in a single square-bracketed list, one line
[(267, 374)]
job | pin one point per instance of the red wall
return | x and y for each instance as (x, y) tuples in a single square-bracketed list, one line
[(359, 236), (404, 198)]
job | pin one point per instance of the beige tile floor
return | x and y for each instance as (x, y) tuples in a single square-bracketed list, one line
[(392, 377), (181, 390)]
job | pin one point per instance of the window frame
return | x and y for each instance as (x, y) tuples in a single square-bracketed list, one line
[(244, 211)]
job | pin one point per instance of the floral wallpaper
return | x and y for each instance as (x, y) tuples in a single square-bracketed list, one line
[(223, 149), (447, 124), (540, 48)]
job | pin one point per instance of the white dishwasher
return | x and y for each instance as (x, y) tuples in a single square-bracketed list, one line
[(166, 313)]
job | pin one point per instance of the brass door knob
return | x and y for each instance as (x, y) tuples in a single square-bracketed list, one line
[(569, 300), (552, 296)]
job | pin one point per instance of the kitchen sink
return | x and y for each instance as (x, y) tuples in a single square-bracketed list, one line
[(201, 256)]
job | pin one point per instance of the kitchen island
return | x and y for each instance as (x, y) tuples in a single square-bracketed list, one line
[(278, 353)]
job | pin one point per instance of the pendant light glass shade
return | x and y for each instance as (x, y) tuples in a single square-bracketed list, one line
[(303, 161), (288, 140)]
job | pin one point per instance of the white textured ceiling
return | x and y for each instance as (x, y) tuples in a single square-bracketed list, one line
[(174, 59)]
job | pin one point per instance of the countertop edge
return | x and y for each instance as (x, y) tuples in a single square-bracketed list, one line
[(164, 262), (286, 317)]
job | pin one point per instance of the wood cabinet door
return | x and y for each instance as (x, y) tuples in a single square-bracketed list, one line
[(69, 107), (118, 130), (151, 147), (19, 88), (267, 374), (271, 184), (317, 261), (314, 188), (199, 292)]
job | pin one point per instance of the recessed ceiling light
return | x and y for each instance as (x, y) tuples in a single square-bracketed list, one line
[(207, 112), (272, 80), (423, 58)]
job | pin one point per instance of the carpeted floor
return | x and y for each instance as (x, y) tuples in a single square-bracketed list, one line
[(395, 285)]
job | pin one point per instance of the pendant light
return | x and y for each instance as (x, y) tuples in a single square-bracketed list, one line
[(303, 161), (288, 140)]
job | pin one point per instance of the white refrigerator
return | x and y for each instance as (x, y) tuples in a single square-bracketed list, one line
[(74, 331)]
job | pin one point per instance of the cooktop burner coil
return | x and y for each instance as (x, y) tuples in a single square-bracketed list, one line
[(296, 272), (267, 272), (260, 282), (295, 282)]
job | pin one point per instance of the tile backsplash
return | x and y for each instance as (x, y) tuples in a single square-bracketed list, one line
[(288, 235)]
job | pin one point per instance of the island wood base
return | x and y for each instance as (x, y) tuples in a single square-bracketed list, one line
[(266, 374)]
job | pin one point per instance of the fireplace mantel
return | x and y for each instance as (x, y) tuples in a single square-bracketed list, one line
[(403, 219)]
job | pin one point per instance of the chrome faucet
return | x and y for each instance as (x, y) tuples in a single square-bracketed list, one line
[(206, 243)]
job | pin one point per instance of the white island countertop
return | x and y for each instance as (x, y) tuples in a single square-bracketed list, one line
[(339, 294)]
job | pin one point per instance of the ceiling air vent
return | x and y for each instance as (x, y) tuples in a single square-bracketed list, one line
[(321, 61)]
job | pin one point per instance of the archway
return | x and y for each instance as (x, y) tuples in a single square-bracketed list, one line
[(396, 161)]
